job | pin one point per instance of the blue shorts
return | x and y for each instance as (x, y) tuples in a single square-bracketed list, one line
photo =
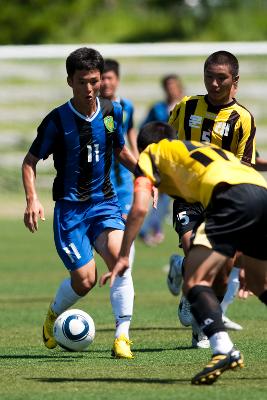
[(77, 225)]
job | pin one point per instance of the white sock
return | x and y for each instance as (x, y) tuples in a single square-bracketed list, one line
[(65, 297), (122, 298), (232, 289), (220, 343), (123, 325), (122, 328), (131, 256)]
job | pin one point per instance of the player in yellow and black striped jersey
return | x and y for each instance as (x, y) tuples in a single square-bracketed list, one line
[(235, 197), (215, 118), (229, 126), (219, 119), (191, 170)]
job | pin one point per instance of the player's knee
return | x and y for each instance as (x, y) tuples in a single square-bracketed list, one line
[(88, 283), (191, 283), (84, 285), (187, 285)]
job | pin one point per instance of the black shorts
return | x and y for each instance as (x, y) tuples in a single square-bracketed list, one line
[(235, 219), (186, 216)]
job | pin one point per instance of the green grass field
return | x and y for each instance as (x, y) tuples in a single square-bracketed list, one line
[(31, 270), (164, 362)]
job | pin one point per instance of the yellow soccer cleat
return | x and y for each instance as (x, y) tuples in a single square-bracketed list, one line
[(48, 335), (219, 363), (121, 348)]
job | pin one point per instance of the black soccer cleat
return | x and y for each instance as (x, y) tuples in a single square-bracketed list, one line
[(218, 364)]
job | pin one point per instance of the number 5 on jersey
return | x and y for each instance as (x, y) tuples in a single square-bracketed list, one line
[(183, 218)]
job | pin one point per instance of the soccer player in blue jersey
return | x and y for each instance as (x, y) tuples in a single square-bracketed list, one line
[(121, 177), (82, 136), (173, 89)]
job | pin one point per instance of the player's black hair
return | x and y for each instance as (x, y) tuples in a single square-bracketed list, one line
[(84, 58), (112, 65), (223, 57), (154, 132), (166, 78)]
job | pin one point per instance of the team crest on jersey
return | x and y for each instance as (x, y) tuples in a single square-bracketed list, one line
[(109, 123), (222, 128)]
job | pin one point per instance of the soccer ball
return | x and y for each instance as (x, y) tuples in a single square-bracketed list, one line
[(74, 330)]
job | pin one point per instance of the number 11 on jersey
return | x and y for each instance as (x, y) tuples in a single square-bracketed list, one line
[(93, 150)]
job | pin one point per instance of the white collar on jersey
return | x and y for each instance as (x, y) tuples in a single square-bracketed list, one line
[(89, 119)]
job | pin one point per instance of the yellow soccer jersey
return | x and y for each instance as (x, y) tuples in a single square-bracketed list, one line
[(191, 170), (230, 127)]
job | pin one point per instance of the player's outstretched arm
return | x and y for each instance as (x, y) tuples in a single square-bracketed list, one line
[(120, 267), (126, 158), (140, 207), (34, 208), (132, 139)]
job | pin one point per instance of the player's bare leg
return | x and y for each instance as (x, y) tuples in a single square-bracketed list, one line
[(203, 266), (256, 276), (71, 289)]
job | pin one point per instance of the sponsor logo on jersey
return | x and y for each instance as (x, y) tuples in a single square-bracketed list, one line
[(195, 121)]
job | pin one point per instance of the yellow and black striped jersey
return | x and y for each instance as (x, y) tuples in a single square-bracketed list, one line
[(230, 127), (191, 170)]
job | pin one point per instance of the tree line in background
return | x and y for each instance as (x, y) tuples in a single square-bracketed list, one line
[(107, 21)]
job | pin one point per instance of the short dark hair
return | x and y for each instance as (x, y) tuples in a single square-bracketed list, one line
[(84, 58), (223, 57), (154, 132), (167, 78), (112, 65)]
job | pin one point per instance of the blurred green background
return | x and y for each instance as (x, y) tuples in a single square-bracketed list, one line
[(32, 87), (108, 21)]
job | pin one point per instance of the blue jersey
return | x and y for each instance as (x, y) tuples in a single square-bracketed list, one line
[(158, 112), (121, 176), (82, 149)]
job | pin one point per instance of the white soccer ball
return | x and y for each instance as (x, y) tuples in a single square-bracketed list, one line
[(74, 330)]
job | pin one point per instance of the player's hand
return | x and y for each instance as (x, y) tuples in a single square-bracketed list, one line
[(120, 267), (243, 292), (33, 212), (155, 195)]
